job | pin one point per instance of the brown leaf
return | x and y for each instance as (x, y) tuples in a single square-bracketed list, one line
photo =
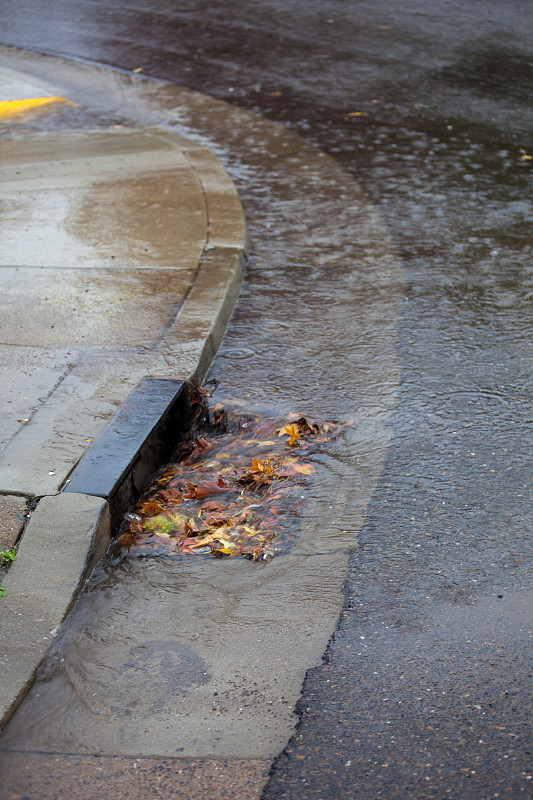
[(214, 520), (197, 491), (302, 469), (231, 502), (151, 508), (212, 505), (170, 495)]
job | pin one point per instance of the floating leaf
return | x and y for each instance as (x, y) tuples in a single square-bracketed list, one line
[(204, 490), (225, 496), (292, 432)]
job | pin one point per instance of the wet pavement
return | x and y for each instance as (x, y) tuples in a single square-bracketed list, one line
[(89, 777), (121, 260), (430, 664), (299, 595)]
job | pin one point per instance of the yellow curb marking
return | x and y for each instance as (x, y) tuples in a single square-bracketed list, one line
[(9, 108)]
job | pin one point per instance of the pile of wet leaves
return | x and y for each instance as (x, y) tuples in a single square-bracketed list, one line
[(232, 490)]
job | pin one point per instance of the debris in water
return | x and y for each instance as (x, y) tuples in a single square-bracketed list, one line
[(233, 491)]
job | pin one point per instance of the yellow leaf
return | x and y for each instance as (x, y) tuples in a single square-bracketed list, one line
[(159, 524), (291, 431), (228, 543), (249, 530), (204, 540), (177, 519)]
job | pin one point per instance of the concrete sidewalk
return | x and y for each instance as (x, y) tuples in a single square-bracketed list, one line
[(121, 256)]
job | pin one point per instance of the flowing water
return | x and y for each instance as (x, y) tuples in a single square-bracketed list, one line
[(193, 656), (408, 309), (429, 354)]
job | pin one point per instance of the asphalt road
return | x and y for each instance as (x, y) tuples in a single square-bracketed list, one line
[(425, 689)]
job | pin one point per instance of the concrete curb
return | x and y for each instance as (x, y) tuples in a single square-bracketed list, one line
[(136, 442)]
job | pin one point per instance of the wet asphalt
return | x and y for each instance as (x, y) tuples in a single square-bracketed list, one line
[(425, 689)]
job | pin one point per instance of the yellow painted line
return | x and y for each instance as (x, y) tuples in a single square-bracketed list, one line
[(9, 108)]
